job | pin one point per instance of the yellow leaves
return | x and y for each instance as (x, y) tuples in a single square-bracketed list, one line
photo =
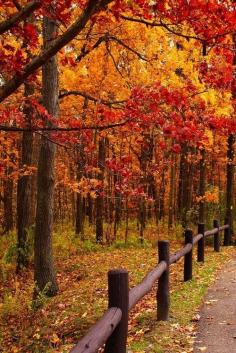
[(210, 137), (86, 186)]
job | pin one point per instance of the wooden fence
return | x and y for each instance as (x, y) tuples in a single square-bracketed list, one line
[(112, 328)]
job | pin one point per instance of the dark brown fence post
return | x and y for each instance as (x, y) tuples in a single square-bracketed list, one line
[(201, 243), (118, 292), (188, 258), (216, 236), (163, 295), (227, 239)]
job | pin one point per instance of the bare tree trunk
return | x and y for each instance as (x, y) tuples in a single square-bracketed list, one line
[(118, 204), (230, 182), (171, 195), (44, 274), (161, 213), (8, 205), (202, 177), (185, 185), (99, 199), (24, 185), (79, 224)]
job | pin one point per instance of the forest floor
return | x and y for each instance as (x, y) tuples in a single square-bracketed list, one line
[(217, 324), (58, 323)]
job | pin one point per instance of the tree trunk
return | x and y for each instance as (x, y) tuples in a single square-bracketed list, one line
[(79, 225), (185, 185), (99, 199), (202, 177), (44, 267), (8, 207), (230, 181), (171, 194), (24, 219)]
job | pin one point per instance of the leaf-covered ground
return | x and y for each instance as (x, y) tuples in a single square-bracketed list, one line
[(82, 275)]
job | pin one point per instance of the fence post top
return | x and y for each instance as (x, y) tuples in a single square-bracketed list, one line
[(188, 231), (216, 223), (117, 271), (201, 224), (163, 242)]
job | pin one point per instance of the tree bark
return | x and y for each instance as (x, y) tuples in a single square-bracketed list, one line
[(79, 224), (202, 177), (8, 206), (230, 181), (99, 199), (171, 194), (24, 184), (44, 266)]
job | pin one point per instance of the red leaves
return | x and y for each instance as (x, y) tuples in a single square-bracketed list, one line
[(30, 34), (218, 73)]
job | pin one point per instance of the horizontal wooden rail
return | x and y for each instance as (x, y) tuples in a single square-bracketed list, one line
[(112, 327), (211, 232), (226, 226), (99, 333), (176, 256), (197, 238), (138, 292)]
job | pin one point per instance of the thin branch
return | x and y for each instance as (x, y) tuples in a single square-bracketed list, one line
[(85, 51), (65, 93), (168, 27), (119, 41), (62, 129), (114, 62), (50, 140)]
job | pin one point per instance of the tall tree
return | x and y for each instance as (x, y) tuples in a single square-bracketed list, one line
[(44, 267)]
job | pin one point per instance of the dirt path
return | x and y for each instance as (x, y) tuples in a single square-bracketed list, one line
[(217, 325)]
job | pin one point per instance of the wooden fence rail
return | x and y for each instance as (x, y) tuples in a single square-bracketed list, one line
[(112, 328)]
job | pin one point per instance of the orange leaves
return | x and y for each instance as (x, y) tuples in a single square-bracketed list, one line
[(209, 197)]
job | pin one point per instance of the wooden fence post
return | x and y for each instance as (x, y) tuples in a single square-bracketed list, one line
[(163, 294), (216, 236), (118, 292), (201, 243), (227, 239), (188, 258)]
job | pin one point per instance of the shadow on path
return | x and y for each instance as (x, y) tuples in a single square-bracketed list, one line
[(217, 325)]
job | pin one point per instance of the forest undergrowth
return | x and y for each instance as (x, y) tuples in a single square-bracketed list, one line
[(56, 324)]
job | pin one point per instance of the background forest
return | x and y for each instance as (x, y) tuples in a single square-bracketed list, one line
[(127, 133)]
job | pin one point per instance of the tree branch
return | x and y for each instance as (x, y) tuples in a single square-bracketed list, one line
[(62, 129), (85, 51), (65, 93), (119, 41), (160, 24), (168, 27)]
